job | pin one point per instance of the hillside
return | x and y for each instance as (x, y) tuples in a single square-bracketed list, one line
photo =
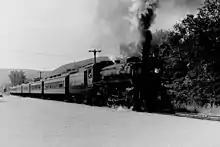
[(4, 79), (71, 66)]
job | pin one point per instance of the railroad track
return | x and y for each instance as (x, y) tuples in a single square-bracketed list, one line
[(192, 115), (199, 116)]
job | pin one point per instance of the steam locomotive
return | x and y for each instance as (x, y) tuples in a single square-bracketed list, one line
[(103, 83)]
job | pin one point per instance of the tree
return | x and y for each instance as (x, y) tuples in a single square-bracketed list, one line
[(190, 55), (187, 56), (159, 37), (17, 77)]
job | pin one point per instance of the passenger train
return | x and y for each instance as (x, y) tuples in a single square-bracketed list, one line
[(103, 83)]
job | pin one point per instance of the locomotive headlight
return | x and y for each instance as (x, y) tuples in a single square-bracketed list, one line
[(156, 70)]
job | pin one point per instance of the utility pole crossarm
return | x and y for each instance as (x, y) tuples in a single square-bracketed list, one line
[(94, 51)]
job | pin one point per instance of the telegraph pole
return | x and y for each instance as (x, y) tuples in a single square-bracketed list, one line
[(94, 52), (40, 74)]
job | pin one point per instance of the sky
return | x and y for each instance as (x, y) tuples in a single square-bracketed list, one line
[(46, 34)]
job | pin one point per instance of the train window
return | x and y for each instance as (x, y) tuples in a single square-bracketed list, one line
[(60, 85), (54, 85)]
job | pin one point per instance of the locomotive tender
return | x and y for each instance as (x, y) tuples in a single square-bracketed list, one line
[(99, 84)]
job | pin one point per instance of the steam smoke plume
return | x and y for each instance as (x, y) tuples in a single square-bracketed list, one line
[(117, 20), (112, 25), (143, 11), (142, 15)]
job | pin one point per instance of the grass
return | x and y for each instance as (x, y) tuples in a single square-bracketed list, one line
[(211, 111), (214, 111)]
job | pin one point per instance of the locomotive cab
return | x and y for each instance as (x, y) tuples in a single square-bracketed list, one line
[(92, 81), (92, 72)]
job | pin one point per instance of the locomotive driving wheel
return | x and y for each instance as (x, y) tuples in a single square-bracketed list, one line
[(96, 97)]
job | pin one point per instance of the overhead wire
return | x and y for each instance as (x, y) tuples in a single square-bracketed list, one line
[(41, 53)]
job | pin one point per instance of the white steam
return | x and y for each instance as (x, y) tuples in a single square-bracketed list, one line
[(118, 23)]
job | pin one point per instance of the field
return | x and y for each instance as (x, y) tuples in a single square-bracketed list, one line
[(29, 122)]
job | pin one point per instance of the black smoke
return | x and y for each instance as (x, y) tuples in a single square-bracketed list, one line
[(114, 29)]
